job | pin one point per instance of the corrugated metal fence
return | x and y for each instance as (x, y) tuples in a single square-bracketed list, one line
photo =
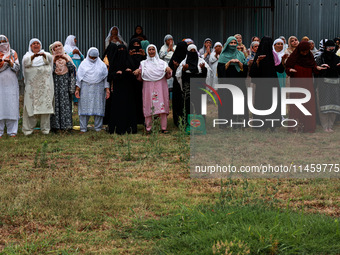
[(90, 20)]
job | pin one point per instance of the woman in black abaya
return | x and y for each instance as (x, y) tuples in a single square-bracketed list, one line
[(110, 53), (123, 109), (177, 94), (137, 54), (266, 65)]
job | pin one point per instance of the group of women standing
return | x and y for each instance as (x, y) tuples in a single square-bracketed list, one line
[(131, 84)]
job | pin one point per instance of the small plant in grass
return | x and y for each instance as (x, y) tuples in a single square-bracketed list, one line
[(231, 248), (182, 137), (41, 156)]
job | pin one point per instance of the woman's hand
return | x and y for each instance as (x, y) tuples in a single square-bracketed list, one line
[(202, 65), (292, 70), (168, 70), (107, 91), (175, 63), (75, 51), (119, 72), (228, 64), (137, 72), (128, 70), (9, 62), (77, 92), (185, 67), (260, 58), (319, 68)]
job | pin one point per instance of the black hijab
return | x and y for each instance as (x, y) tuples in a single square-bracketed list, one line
[(192, 61), (331, 59), (266, 66), (179, 54), (110, 52), (138, 35), (135, 58)]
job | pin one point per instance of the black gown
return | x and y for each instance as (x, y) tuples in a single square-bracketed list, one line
[(264, 87), (177, 93), (136, 84), (123, 109), (191, 88), (225, 111), (110, 52)]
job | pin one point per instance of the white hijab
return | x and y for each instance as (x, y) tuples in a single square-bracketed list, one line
[(38, 61), (70, 46), (153, 68), (282, 52), (92, 71), (107, 40)]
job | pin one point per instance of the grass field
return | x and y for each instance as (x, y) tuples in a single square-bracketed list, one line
[(106, 194)]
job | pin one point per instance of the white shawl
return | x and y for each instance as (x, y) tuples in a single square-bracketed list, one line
[(153, 68), (92, 71)]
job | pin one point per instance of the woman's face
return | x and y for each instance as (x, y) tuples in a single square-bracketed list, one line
[(233, 42), (151, 51), (218, 49), (192, 50), (256, 39), (168, 41), (93, 58), (294, 42), (208, 44), (138, 30), (255, 48), (305, 52), (114, 31), (75, 40), (278, 46), (239, 48), (57, 47), (3, 41), (136, 44), (239, 39), (330, 48), (312, 45), (35, 46)]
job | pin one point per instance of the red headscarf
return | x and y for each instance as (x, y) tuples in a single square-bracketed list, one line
[(296, 58)]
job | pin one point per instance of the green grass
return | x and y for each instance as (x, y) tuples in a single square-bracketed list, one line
[(108, 194), (263, 230)]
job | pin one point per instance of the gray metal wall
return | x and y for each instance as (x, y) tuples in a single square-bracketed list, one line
[(51, 20)]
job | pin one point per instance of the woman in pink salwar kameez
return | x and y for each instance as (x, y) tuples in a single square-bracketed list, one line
[(154, 72)]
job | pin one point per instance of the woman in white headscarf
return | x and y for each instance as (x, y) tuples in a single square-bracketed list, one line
[(73, 51), (64, 86), (168, 49), (278, 48), (192, 67), (165, 53), (285, 45), (154, 72), (9, 88), (39, 88), (92, 89), (114, 37), (313, 49), (206, 50), (213, 62)]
